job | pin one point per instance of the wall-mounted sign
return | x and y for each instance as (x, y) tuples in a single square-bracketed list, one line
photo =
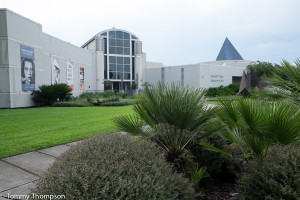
[(27, 68), (81, 77), (55, 71), (216, 78), (70, 74)]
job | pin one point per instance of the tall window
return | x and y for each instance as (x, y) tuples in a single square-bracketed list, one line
[(119, 67), (119, 55), (119, 43)]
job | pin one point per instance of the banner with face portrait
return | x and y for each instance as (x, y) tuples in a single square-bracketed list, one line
[(27, 68), (81, 77), (55, 71), (70, 74)]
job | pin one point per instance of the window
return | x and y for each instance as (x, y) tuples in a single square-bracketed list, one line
[(105, 67), (133, 72), (120, 66), (119, 43)]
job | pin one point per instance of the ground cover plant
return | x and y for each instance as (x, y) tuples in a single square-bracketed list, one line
[(114, 166), (277, 176), (25, 130), (107, 98)]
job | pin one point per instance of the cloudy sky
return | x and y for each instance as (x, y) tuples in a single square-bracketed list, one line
[(177, 32)]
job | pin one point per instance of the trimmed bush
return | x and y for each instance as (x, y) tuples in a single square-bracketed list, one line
[(122, 95), (112, 166), (123, 102), (48, 94), (70, 104), (277, 176), (231, 89)]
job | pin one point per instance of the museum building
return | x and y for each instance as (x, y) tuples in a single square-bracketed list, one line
[(30, 58)]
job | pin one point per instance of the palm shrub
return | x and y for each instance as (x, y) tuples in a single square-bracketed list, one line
[(184, 108), (48, 94), (171, 116), (256, 125), (277, 176), (112, 166), (285, 82)]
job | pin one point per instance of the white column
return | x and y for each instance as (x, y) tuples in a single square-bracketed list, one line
[(99, 64)]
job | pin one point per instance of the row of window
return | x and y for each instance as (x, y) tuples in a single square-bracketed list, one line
[(119, 68), (119, 50), (119, 75), (119, 60), (119, 43)]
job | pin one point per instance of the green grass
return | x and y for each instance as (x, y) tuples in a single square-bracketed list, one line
[(25, 130)]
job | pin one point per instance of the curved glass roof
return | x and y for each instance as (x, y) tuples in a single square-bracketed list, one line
[(120, 33)]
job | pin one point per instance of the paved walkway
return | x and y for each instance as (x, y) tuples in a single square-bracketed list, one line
[(18, 174)]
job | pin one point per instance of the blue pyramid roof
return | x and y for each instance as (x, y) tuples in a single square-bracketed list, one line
[(228, 52)]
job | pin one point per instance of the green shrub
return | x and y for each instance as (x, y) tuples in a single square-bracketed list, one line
[(205, 157), (122, 94), (69, 104), (261, 68), (275, 177), (48, 94), (89, 95), (123, 102), (112, 166), (108, 93), (133, 85), (231, 89), (108, 84), (174, 116), (256, 125)]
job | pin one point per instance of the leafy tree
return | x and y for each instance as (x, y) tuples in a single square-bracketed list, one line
[(261, 68)]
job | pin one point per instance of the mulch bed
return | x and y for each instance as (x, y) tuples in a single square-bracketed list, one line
[(218, 190)]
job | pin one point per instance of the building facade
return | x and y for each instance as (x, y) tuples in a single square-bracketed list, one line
[(227, 69), (200, 75), (30, 58), (119, 58)]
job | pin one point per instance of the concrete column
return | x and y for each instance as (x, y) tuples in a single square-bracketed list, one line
[(139, 70), (99, 63)]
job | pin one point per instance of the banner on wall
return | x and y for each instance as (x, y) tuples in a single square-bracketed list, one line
[(55, 71), (81, 77), (70, 74), (27, 68)]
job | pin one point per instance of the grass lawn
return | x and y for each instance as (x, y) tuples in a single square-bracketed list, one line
[(25, 130)]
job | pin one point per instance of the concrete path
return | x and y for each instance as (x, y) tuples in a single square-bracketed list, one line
[(18, 174)]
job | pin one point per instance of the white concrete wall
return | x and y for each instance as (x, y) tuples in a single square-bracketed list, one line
[(153, 65), (153, 75), (217, 75), (201, 75), (192, 76), (22, 31)]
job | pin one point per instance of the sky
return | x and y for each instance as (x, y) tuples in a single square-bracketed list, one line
[(177, 32)]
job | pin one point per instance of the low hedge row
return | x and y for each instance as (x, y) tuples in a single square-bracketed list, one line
[(231, 89)]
